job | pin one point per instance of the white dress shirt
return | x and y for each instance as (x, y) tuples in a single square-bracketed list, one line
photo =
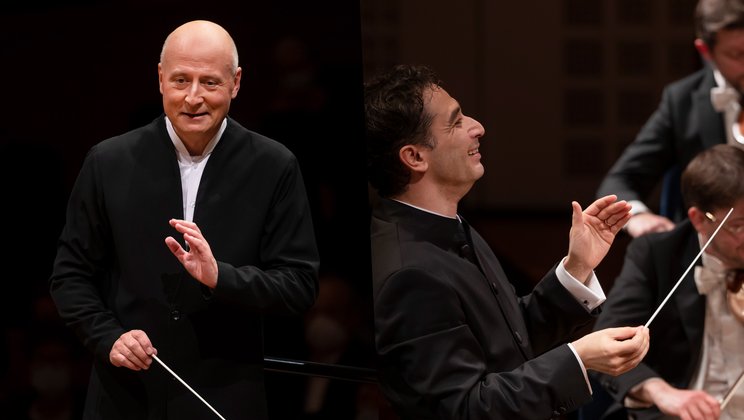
[(191, 167)]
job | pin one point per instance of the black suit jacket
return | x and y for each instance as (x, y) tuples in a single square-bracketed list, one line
[(653, 264), (114, 273), (684, 124), (454, 340)]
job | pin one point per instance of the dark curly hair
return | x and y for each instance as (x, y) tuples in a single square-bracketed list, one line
[(395, 117), (712, 16)]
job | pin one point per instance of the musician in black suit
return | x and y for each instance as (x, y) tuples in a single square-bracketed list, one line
[(698, 336), (453, 338), (179, 236), (695, 113)]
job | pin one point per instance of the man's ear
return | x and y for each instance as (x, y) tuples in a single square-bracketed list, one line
[(236, 83), (703, 49), (697, 218), (160, 77), (412, 158)]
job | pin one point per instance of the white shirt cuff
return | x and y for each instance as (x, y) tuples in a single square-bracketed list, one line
[(637, 206), (590, 295), (583, 369)]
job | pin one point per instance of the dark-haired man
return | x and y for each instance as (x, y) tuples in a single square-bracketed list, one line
[(453, 338)]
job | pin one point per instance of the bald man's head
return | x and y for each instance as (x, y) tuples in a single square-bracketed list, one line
[(204, 32), (199, 76)]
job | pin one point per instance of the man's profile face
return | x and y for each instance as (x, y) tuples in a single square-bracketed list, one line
[(455, 159), (728, 56), (728, 245), (197, 83)]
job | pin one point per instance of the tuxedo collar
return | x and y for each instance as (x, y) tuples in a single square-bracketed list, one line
[(420, 225)]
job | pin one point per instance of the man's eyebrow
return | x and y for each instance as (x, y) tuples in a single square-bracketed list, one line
[(454, 114)]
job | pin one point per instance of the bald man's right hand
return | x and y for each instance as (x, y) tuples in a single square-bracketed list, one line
[(613, 350), (132, 350)]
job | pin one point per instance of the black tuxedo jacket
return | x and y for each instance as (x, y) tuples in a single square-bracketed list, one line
[(454, 340), (114, 273), (684, 124), (653, 264)]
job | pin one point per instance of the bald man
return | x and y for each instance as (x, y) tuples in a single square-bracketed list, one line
[(179, 235)]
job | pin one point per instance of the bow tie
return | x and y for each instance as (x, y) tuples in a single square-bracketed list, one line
[(707, 280), (722, 97)]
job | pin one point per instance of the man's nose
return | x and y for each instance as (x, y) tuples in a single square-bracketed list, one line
[(194, 94), (476, 130)]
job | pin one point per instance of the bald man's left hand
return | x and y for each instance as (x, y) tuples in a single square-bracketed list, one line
[(198, 260), (592, 233)]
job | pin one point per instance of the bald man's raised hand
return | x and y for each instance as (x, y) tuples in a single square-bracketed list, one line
[(198, 260)]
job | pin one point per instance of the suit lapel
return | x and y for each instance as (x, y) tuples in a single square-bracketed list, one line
[(708, 121), (158, 179), (209, 191)]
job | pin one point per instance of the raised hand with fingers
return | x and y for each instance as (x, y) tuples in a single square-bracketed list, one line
[(132, 350), (198, 260), (592, 233)]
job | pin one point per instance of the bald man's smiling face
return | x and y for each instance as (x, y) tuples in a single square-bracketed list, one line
[(197, 82)]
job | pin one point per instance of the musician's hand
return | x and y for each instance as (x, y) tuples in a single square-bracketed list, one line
[(683, 403), (643, 223)]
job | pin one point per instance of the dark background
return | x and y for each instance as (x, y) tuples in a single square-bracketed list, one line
[(76, 72)]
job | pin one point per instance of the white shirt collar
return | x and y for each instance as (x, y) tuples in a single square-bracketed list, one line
[(709, 261), (423, 209), (720, 80), (183, 153)]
